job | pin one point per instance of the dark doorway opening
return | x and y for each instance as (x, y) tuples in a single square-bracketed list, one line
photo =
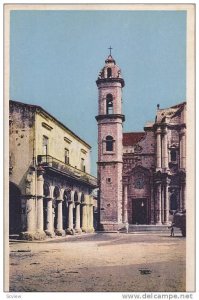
[(14, 209), (173, 202), (139, 211), (65, 214)]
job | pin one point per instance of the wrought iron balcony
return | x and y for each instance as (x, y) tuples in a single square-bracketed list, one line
[(56, 164)]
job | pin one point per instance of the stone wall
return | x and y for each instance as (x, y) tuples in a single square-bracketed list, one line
[(60, 139), (21, 143)]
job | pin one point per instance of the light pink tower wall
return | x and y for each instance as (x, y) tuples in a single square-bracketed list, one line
[(110, 163)]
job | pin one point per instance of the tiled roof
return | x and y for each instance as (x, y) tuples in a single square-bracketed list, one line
[(131, 138)]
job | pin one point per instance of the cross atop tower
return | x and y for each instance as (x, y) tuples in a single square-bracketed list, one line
[(110, 49)]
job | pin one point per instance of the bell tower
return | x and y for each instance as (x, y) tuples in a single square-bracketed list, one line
[(110, 148)]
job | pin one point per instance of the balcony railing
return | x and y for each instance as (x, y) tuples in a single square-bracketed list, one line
[(49, 161)]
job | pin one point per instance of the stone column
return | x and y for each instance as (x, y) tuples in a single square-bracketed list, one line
[(125, 218), (88, 216), (166, 205), (30, 213), (91, 217), (159, 204), (70, 215), (180, 196), (182, 149), (183, 195), (162, 202), (40, 219), (152, 221), (165, 159), (49, 221), (77, 221), (84, 217), (40, 208), (59, 229), (158, 158)]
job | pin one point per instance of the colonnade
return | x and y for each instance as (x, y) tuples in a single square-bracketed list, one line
[(78, 211)]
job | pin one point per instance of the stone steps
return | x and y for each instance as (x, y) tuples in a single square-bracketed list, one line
[(148, 228), (144, 228)]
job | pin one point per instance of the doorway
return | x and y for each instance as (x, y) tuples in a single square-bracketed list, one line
[(14, 209), (139, 211)]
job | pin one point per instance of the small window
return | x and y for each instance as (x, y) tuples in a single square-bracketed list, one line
[(173, 155), (109, 143), (66, 156), (109, 72), (109, 104), (108, 180), (83, 168)]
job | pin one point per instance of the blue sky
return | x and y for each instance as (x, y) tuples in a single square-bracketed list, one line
[(55, 58)]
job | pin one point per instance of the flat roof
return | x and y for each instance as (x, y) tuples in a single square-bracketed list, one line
[(39, 108)]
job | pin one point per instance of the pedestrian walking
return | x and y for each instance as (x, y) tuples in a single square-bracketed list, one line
[(172, 230)]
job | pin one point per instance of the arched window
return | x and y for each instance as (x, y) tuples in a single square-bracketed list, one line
[(109, 143), (109, 72), (109, 104)]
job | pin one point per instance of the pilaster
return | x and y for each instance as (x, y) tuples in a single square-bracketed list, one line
[(165, 159), (159, 149), (159, 203)]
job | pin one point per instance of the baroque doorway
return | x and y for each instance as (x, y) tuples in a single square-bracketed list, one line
[(139, 211)]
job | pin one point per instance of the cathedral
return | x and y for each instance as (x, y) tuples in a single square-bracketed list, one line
[(141, 175)]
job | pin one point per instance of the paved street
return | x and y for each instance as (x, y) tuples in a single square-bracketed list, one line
[(100, 262)]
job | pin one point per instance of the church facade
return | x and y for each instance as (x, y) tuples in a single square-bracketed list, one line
[(142, 175)]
